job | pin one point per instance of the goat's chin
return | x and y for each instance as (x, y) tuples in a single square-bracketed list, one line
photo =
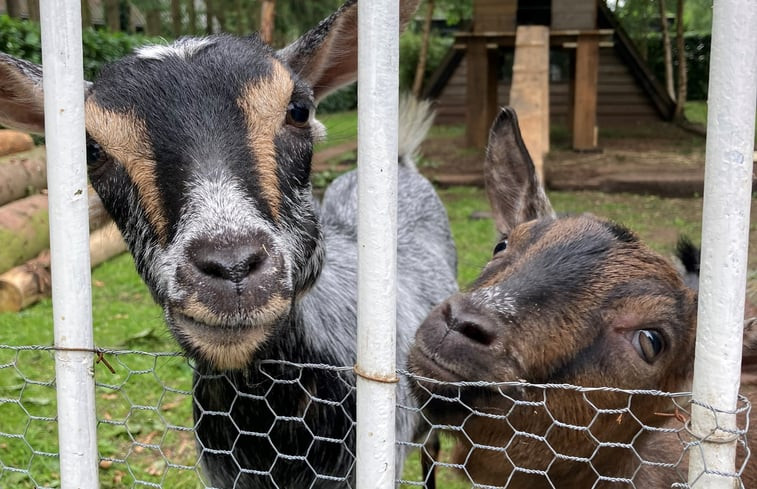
[(230, 345), (423, 365)]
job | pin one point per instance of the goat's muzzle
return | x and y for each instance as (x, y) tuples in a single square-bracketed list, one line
[(235, 289), (455, 342)]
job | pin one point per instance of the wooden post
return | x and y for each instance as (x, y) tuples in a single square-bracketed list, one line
[(585, 95), (267, 16), (13, 8), (529, 92), (112, 15), (481, 92), (176, 17)]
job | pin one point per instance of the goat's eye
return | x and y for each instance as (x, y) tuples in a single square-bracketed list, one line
[(648, 343), (95, 154), (298, 114), (501, 246)]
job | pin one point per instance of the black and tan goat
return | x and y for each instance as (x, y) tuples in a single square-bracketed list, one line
[(201, 152), (574, 300)]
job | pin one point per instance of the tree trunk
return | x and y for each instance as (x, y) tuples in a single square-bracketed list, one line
[(240, 26), (26, 284), (219, 9), (14, 8), (112, 15), (22, 174), (14, 142), (154, 25), (682, 75), (667, 50), (267, 20), (420, 69), (209, 16), (86, 14), (24, 229), (176, 17), (33, 9), (192, 17)]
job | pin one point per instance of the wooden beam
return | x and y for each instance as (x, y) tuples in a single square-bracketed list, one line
[(585, 95), (529, 92), (481, 91)]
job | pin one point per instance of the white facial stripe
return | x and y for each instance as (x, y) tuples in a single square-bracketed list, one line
[(318, 130), (182, 48), (489, 298), (216, 207)]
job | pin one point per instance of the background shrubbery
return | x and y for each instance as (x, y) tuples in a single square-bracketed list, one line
[(21, 38), (697, 49)]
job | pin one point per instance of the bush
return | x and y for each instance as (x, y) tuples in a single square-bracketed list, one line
[(342, 100), (21, 38), (410, 48), (697, 49)]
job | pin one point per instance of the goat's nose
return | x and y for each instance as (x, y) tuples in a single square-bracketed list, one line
[(467, 319), (231, 263), (229, 260)]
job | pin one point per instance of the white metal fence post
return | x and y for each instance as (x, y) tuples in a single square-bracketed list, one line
[(69, 241), (378, 68), (725, 237)]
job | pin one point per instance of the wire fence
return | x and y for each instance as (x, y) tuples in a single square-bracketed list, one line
[(493, 434)]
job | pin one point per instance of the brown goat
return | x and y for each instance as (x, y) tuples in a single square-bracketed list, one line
[(574, 300)]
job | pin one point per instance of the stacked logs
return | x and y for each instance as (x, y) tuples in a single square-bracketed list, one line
[(24, 231)]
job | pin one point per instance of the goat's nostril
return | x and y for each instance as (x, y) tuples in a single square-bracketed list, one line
[(234, 263), (475, 332)]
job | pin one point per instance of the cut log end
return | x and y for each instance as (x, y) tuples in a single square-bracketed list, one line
[(14, 142), (10, 297)]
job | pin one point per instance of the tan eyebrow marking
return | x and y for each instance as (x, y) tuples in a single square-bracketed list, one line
[(125, 138), (264, 103)]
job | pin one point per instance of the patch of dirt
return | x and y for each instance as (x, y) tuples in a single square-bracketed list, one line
[(656, 158)]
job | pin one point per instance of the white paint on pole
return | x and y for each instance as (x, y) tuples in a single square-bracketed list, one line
[(69, 241), (725, 237), (378, 69)]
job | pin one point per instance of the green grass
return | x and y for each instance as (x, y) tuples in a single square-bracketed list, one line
[(696, 111), (146, 396), (341, 127)]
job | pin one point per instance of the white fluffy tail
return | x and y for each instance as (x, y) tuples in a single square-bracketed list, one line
[(416, 117)]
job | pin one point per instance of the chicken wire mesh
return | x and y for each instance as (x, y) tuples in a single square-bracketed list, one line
[(493, 434)]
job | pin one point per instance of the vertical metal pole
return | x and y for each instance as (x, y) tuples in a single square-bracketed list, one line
[(725, 236), (69, 241), (378, 68)]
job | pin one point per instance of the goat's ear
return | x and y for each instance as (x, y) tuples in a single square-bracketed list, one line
[(514, 191), (21, 99), (326, 56)]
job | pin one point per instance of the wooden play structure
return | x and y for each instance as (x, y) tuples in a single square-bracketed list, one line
[(594, 74)]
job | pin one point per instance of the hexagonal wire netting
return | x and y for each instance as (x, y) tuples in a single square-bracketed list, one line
[(492, 435)]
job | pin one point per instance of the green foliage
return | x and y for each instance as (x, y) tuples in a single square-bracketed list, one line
[(295, 17), (21, 38), (102, 47), (344, 99), (640, 16), (697, 52), (641, 20), (454, 11), (410, 48)]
